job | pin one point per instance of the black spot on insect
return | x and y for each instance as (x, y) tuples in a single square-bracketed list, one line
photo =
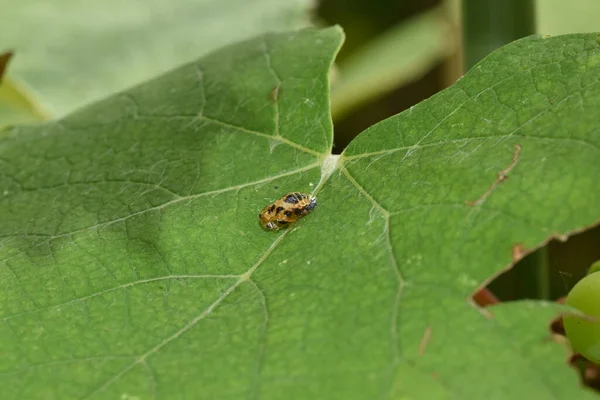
[(297, 211), (282, 222), (287, 213), (272, 208), (311, 205), (279, 209), (291, 199)]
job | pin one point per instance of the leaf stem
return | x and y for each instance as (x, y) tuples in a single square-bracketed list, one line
[(540, 261), (534, 275)]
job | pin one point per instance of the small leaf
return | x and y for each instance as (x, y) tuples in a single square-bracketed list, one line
[(16, 106)]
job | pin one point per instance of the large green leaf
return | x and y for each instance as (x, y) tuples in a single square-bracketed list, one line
[(73, 52), (133, 264)]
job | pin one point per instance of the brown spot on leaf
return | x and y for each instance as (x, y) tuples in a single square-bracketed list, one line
[(424, 340), (485, 297), (275, 93), (556, 325), (518, 252)]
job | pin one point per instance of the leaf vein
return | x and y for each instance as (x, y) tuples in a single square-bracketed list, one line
[(113, 289), (241, 279), (401, 282), (276, 137), (159, 207)]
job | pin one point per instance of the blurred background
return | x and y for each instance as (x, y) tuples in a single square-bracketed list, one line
[(68, 53)]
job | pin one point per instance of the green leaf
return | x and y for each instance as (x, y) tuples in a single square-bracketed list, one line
[(17, 105), (133, 264), (400, 56), (74, 52)]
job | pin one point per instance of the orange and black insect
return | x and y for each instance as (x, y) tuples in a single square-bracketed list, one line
[(286, 210)]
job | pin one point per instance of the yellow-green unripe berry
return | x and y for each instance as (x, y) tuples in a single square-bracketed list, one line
[(594, 268), (584, 332)]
